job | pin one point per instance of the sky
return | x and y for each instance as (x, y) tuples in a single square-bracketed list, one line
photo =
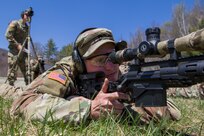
[(63, 20)]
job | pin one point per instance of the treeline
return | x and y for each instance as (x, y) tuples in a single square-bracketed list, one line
[(50, 52), (183, 22)]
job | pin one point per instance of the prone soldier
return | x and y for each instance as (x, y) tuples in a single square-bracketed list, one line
[(56, 89)]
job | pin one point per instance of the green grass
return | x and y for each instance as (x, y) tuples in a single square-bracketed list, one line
[(192, 122)]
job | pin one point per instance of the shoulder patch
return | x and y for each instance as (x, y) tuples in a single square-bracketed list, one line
[(57, 77)]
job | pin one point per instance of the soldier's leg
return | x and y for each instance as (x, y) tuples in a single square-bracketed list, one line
[(11, 75), (24, 68), (147, 114), (32, 75), (201, 90), (195, 91)]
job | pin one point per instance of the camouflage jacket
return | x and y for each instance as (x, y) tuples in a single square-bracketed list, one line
[(58, 81), (16, 34)]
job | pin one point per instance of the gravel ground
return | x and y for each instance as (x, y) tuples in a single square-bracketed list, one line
[(19, 82)]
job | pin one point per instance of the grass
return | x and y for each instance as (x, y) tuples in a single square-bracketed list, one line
[(192, 122)]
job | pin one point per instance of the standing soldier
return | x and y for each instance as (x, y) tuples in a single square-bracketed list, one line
[(16, 34)]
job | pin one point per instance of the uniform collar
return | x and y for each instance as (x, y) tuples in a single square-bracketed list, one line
[(21, 23)]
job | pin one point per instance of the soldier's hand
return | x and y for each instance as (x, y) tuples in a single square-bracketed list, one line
[(19, 46), (107, 102)]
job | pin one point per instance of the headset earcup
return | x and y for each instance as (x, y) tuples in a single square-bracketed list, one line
[(78, 62)]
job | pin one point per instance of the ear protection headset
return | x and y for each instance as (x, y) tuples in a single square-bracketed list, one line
[(77, 58)]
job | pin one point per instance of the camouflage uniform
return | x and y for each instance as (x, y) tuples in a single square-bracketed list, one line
[(195, 91), (16, 34), (55, 91), (35, 68), (10, 92)]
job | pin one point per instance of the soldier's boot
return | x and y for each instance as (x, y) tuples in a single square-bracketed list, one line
[(11, 83), (11, 79), (26, 81)]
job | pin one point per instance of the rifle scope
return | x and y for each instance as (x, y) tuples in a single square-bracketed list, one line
[(145, 48), (149, 47), (155, 48)]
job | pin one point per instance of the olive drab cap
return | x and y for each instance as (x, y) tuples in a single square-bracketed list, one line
[(90, 40)]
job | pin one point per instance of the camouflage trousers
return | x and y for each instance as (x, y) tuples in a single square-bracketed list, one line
[(12, 71), (34, 106), (195, 91), (147, 114)]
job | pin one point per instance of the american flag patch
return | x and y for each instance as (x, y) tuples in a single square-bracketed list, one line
[(57, 77)]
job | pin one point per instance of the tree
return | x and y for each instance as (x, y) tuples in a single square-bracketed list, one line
[(137, 38), (180, 22), (166, 31), (196, 17), (66, 51), (201, 24), (51, 51), (39, 49)]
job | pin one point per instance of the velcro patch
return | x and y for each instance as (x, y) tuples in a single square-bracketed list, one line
[(57, 77)]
